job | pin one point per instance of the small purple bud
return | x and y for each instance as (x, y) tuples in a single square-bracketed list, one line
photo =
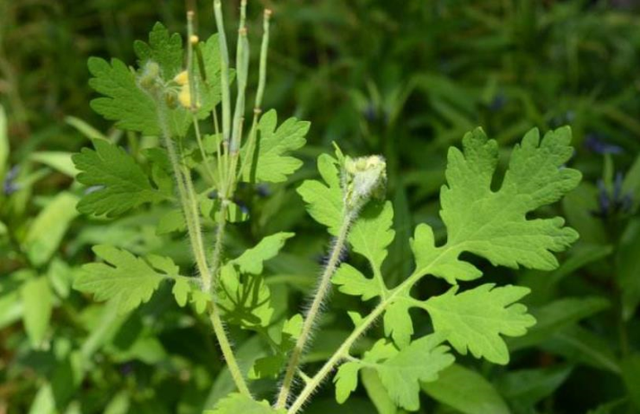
[(263, 190), (370, 113), (126, 369), (498, 102), (597, 144), (9, 186)]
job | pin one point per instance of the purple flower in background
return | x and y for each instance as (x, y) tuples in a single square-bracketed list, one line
[(263, 190), (498, 102), (596, 143), (9, 186), (613, 202)]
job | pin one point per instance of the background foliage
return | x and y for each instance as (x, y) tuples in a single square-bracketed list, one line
[(402, 81)]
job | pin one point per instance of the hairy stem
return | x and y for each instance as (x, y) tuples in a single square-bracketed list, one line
[(365, 324), (314, 310), (340, 354), (189, 205), (217, 247), (225, 346)]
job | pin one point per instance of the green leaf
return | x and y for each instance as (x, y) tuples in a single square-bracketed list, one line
[(124, 278), (123, 101), (251, 261), (136, 110), (397, 321), (37, 303), (376, 392), (628, 265), (558, 315), (238, 403), (120, 182), (47, 230), (245, 300), (631, 376), (495, 224), (58, 160), (401, 372), (270, 366), (579, 345), (325, 202), (346, 380), (372, 233), (466, 391), (351, 281), (272, 162), (419, 362), (163, 48), (172, 221), (475, 319), (370, 236), (528, 386)]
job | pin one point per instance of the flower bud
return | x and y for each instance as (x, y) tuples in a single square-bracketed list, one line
[(149, 76), (364, 177)]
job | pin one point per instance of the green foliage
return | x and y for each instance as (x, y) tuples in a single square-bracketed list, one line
[(475, 319), (467, 391), (325, 201), (495, 209), (273, 164), (494, 225), (252, 260), (135, 109), (121, 183), (126, 279), (237, 403), (401, 372)]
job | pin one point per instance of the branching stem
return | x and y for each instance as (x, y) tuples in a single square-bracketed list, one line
[(315, 308), (189, 205), (365, 324)]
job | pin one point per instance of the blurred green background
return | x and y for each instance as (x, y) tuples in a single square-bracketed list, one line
[(405, 79)]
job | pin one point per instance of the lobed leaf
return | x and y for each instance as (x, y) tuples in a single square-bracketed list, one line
[(128, 280), (400, 372), (272, 162), (244, 300), (134, 109), (494, 224), (118, 182), (325, 201), (251, 261), (475, 319)]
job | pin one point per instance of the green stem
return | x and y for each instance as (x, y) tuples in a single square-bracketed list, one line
[(314, 310), (257, 108), (217, 248), (189, 205), (193, 93), (225, 346), (343, 350), (224, 73), (340, 354)]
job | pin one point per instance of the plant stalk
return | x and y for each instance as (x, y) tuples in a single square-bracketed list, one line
[(314, 311), (364, 325), (189, 205)]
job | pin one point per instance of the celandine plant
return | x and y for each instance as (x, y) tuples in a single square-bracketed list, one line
[(174, 91)]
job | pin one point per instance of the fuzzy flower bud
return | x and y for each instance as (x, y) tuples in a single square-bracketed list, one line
[(364, 177), (148, 78)]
